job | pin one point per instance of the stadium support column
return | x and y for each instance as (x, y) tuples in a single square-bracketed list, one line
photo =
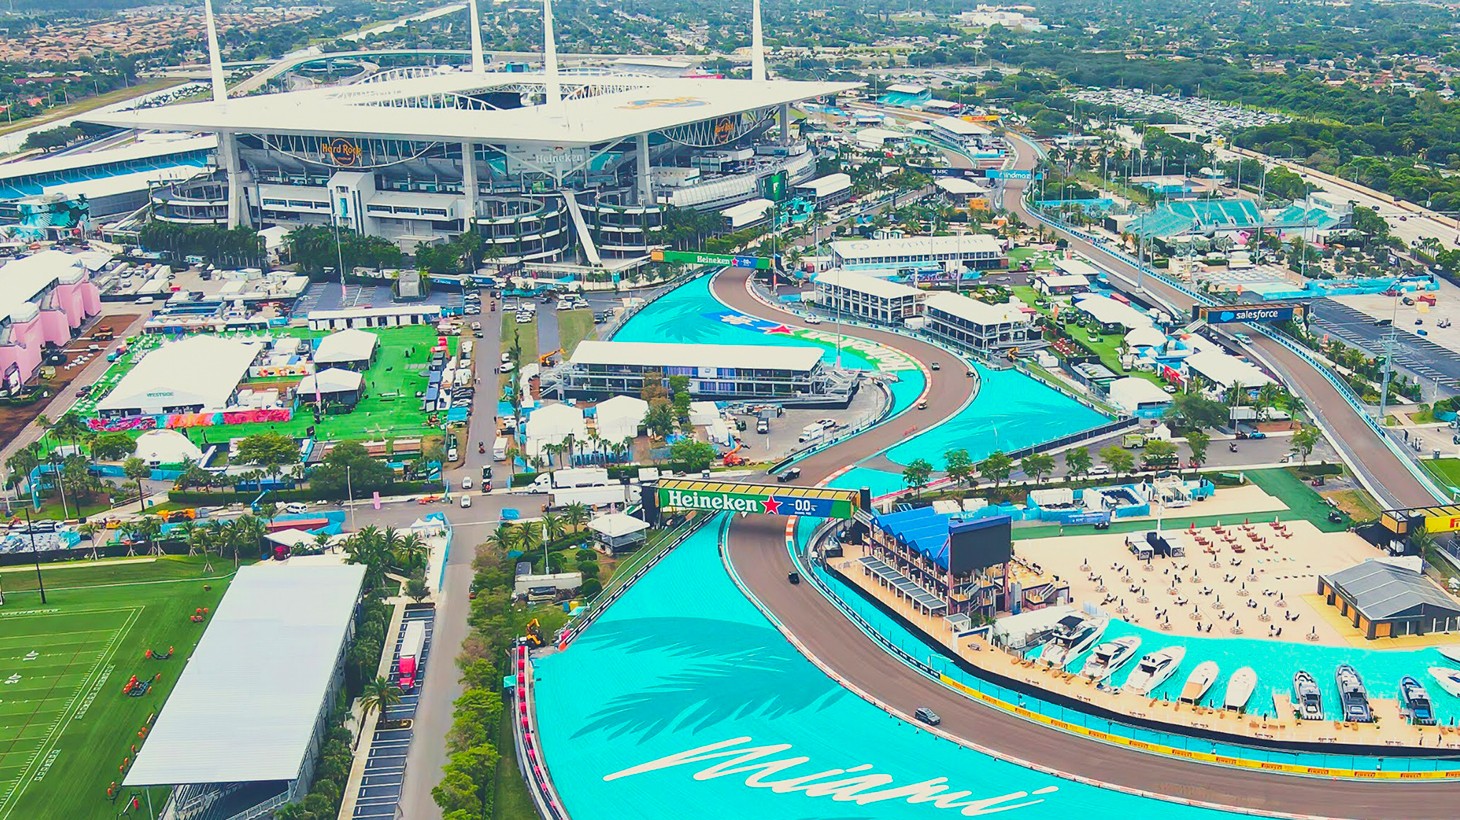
[(785, 123), (237, 197), (646, 174), (469, 183)]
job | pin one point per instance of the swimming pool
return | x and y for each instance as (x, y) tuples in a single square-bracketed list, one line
[(683, 661), (1011, 411)]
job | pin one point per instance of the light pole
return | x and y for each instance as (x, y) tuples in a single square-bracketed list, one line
[(1388, 360), (350, 495), (35, 554)]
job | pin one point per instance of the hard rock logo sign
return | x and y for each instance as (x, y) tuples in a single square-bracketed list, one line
[(340, 151)]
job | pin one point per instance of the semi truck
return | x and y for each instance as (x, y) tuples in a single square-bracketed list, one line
[(570, 478), (411, 647), (615, 493)]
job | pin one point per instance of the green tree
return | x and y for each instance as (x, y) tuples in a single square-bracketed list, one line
[(552, 524), (112, 446), (576, 515), (692, 456), (1078, 461), (416, 589), (1197, 441), (380, 694), (350, 459), (1304, 440), (1037, 466), (1160, 453), (958, 464), (916, 474), (1118, 459), (996, 467), (268, 451), (659, 420), (136, 470), (1194, 411)]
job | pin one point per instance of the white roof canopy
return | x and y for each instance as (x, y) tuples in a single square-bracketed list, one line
[(869, 285), (166, 447), (351, 345), (247, 704), (668, 354), (1131, 392), (1221, 368), (620, 416), (617, 525), (330, 380), (198, 370), (974, 310), (1107, 311)]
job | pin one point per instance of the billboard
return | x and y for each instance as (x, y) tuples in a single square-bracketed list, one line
[(774, 187), (1273, 312), (977, 545), (695, 258), (1009, 173), (756, 501), (1443, 520)]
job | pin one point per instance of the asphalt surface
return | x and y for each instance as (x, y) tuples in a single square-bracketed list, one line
[(1417, 355), (1348, 430), (756, 547)]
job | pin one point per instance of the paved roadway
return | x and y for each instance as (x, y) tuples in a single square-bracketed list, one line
[(1350, 432), (1416, 354), (757, 548)]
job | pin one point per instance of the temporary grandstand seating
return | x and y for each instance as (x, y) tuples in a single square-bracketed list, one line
[(1197, 216)]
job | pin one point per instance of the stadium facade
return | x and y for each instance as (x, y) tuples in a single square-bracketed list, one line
[(548, 166)]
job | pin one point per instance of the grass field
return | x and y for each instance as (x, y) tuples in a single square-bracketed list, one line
[(573, 327), (1445, 470), (65, 726), (389, 408)]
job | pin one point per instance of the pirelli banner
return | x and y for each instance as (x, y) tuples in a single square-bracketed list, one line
[(708, 495), (1434, 520)]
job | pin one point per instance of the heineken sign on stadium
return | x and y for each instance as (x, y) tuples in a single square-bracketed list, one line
[(779, 502)]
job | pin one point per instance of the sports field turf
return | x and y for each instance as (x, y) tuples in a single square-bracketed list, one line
[(389, 409), (1447, 470), (65, 726)]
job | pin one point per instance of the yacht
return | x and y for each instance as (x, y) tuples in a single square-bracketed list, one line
[(1072, 635), (1199, 681), (1352, 695), (1449, 679), (1451, 652), (1154, 669), (1239, 689), (1306, 696), (1414, 702), (1107, 657)]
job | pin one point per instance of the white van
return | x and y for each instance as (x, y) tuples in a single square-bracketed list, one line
[(499, 451), (145, 300), (811, 432)]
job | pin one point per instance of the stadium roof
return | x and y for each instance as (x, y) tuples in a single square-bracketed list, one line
[(199, 370), (667, 354), (149, 149), (404, 108), (248, 702)]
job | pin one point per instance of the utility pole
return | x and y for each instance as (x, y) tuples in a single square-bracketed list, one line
[(35, 554)]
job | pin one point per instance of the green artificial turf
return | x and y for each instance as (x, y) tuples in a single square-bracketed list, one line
[(65, 726), (1445, 470)]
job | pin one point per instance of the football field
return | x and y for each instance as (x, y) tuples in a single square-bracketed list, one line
[(66, 729)]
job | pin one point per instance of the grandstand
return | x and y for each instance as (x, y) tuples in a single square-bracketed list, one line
[(112, 181), (1208, 216), (906, 96)]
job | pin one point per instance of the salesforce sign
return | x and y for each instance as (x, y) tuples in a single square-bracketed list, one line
[(1275, 312)]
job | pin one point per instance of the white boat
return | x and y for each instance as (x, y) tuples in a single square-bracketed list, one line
[(1072, 636), (1107, 657), (1414, 702), (1451, 652), (1353, 697), (1239, 689), (1307, 697), (1154, 669), (1199, 681), (1449, 679)]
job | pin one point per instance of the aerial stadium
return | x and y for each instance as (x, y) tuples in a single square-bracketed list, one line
[(558, 165)]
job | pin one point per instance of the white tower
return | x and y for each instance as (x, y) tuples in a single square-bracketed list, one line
[(757, 45), (554, 88), (478, 62), (215, 55)]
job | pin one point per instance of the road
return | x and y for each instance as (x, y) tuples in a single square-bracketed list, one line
[(1419, 356), (756, 547), (1364, 451)]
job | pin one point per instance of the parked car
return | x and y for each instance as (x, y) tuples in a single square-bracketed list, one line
[(295, 508)]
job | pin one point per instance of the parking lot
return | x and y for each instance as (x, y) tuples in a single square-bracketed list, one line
[(385, 768)]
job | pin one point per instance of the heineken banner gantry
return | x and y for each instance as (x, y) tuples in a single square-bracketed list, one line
[(757, 499), (696, 258)]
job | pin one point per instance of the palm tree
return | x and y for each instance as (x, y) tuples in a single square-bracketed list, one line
[(411, 551), (576, 515), (1267, 399), (379, 694), (244, 530), (136, 469), (552, 524), (504, 538), (269, 510)]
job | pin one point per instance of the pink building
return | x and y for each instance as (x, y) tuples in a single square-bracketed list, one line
[(43, 298)]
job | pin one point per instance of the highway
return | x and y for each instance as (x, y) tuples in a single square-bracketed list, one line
[(1385, 471), (756, 548)]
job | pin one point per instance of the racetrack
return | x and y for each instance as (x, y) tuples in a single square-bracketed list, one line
[(756, 547)]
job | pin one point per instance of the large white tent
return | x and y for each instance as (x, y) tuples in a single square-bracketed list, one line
[(619, 417), (166, 447), (553, 424)]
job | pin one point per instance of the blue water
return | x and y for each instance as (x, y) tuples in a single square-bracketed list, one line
[(880, 482), (1010, 411), (683, 661), (1273, 664)]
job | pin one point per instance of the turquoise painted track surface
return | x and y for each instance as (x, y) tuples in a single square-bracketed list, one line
[(684, 661)]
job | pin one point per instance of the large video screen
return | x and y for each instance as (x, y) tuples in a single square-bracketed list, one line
[(976, 545)]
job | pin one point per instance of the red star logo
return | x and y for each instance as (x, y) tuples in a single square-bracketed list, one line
[(772, 506), (780, 329)]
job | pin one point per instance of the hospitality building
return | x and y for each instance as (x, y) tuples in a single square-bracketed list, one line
[(793, 375), (552, 165), (977, 251), (44, 300), (979, 326), (189, 376), (868, 298), (826, 192), (1384, 598)]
